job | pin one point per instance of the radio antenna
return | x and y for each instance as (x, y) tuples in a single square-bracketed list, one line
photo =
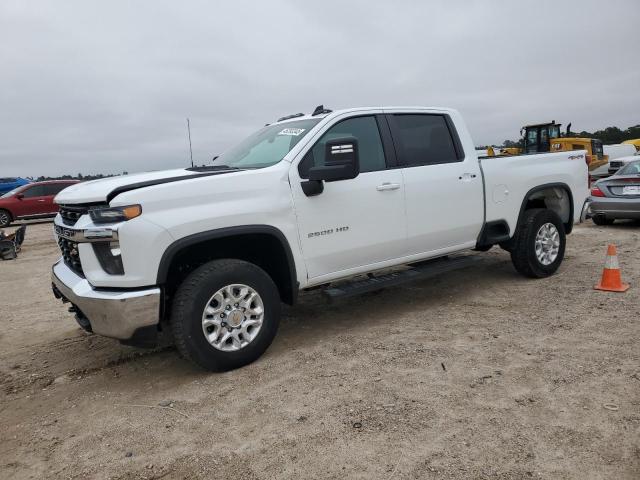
[(190, 149)]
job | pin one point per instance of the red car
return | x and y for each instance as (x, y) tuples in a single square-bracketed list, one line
[(34, 200)]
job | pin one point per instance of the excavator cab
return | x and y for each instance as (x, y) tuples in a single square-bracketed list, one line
[(537, 138)]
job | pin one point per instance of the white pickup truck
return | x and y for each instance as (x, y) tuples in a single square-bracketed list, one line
[(209, 253)]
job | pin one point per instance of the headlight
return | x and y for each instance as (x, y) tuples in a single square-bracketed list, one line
[(115, 214)]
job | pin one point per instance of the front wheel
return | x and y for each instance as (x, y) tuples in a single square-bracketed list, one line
[(225, 314), (539, 243), (5, 218)]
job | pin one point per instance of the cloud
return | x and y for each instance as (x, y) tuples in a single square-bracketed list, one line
[(103, 87)]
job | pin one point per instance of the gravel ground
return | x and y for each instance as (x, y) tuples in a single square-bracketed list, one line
[(474, 374)]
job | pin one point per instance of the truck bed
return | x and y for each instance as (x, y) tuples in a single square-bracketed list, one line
[(509, 179)]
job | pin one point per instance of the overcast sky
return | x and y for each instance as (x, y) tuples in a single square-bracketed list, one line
[(106, 86)]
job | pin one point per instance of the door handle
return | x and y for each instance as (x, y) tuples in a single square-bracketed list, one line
[(388, 186), (467, 176), (41, 200)]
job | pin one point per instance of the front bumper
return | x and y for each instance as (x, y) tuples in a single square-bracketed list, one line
[(121, 314), (615, 207)]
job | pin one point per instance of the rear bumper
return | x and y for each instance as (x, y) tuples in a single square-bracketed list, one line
[(121, 314), (615, 207), (586, 210)]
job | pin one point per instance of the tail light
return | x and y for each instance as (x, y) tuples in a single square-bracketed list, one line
[(596, 192), (587, 158)]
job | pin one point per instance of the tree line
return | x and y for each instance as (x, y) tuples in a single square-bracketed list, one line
[(79, 176)]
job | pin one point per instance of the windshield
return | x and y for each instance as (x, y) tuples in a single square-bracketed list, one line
[(632, 168), (11, 193), (267, 146)]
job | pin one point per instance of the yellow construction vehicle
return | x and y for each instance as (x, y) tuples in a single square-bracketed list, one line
[(504, 151), (546, 137), (635, 142)]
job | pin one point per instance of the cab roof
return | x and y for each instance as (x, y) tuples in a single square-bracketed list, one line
[(553, 122), (321, 112)]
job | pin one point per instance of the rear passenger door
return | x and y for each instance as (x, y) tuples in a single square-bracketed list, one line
[(51, 190), (443, 189)]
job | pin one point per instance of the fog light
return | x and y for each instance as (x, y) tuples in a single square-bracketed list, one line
[(109, 256)]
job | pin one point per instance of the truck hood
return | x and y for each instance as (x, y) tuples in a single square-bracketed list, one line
[(104, 189)]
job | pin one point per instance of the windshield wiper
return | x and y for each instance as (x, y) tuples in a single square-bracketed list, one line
[(208, 168)]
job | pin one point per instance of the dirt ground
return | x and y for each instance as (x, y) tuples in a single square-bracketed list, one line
[(475, 374)]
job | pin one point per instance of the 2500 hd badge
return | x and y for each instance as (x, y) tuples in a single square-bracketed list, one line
[(327, 232)]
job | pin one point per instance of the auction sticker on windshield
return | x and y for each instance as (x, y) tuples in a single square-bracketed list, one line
[(293, 132)]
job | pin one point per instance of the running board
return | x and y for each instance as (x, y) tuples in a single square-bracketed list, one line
[(417, 271)]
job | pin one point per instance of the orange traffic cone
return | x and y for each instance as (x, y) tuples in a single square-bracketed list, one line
[(611, 280)]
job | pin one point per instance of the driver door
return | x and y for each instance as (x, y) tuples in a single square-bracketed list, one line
[(353, 223)]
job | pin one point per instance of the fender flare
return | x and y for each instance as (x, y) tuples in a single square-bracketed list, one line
[(184, 242), (568, 227)]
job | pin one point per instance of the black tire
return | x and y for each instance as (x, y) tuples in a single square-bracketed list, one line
[(192, 297), (5, 218), (523, 253), (602, 220)]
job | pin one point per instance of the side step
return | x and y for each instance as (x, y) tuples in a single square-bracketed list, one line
[(417, 271)]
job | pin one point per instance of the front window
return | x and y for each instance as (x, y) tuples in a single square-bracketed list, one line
[(531, 140), (33, 191), (364, 129), (267, 146)]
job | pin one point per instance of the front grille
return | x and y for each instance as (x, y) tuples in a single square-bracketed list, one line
[(70, 255), (71, 213)]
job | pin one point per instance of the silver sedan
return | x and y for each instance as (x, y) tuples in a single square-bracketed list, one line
[(617, 197)]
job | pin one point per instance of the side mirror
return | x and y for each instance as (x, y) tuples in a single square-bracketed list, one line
[(341, 162), (19, 196)]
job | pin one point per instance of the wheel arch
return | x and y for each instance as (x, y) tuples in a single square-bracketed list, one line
[(546, 196), (263, 245), (12, 217)]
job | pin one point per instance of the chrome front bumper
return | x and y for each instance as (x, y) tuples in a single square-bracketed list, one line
[(112, 313)]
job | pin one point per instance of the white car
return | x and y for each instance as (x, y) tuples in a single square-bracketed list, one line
[(620, 162), (615, 153), (210, 253)]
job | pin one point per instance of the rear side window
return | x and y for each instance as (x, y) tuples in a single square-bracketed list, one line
[(54, 188), (365, 130), (423, 139), (35, 191)]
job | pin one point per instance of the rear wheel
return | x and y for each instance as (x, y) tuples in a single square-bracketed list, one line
[(539, 243), (602, 220), (225, 314), (5, 218)]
